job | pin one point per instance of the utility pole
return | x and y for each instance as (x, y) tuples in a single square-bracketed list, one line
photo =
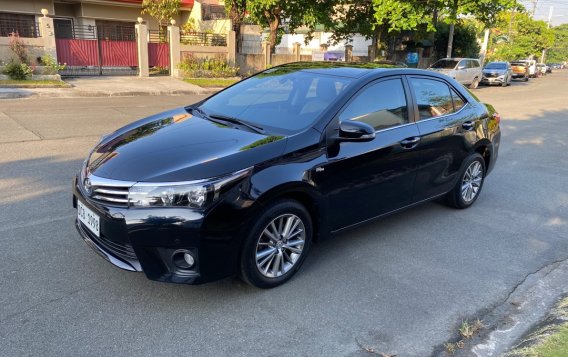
[(549, 21)]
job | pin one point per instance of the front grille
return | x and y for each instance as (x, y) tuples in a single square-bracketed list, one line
[(491, 75), (117, 196), (105, 191), (118, 249)]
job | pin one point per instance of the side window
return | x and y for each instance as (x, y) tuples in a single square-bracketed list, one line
[(458, 101), (381, 105), (474, 63), (432, 97), (462, 65)]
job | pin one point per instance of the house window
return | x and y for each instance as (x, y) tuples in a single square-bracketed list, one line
[(116, 30), (22, 25)]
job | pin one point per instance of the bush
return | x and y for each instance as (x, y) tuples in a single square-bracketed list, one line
[(18, 70), (51, 63), (207, 67), (17, 46)]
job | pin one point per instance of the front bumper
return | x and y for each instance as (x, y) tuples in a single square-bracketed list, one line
[(492, 80), (145, 240)]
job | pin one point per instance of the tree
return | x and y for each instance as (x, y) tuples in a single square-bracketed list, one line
[(559, 50), (519, 37), (277, 14), (236, 10), (464, 39), (375, 19), (485, 11), (161, 10)]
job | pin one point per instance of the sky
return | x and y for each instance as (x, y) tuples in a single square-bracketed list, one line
[(559, 12)]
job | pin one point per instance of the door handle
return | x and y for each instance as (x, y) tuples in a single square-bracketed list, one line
[(467, 125), (410, 143)]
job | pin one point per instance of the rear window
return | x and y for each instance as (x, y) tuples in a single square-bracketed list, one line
[(445, 64)]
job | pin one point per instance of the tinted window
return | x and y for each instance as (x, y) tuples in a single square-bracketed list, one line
[(281, 100), (458, 101), (445, 64), (433, 97), (496, 65), (463, 63), (381, 105), (473, 63)]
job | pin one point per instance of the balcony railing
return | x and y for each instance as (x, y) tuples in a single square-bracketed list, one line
[(203, 39), (22, 28)]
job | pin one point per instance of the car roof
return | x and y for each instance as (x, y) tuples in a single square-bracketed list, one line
[(358, 71)]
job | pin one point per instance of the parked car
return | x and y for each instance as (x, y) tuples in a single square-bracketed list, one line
[(520, 70), (541, 68), (244, 181), (533, 72), (548, 68), (497, 73), (466, 71), (554, 66)]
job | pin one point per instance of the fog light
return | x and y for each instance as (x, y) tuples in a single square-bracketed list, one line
[(183, 259), (188, 259)]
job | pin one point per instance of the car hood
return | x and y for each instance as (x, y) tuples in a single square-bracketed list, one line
[(178, 146)]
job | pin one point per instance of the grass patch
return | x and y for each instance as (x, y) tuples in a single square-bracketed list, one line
[(29, 83), (550, 340), (212, 82)]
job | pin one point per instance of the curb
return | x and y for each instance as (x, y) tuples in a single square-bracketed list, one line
[(67, 93)]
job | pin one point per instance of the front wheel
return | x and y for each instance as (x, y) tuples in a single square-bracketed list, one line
[(474, 84), (277, 244), (470, 182)]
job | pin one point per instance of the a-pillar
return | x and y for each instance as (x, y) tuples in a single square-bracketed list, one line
[(47, 34), (175, 49), (142, 43), (348, 53)]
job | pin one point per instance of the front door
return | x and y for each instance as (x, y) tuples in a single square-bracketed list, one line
[(363, 180)]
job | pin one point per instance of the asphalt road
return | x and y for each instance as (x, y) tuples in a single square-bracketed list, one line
[(398, 286)]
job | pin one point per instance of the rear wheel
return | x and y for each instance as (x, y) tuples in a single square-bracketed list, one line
[(276, 245), (469, 185)]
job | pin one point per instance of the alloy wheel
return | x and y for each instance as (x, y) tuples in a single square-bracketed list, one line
[(471, 183), (280, 245)]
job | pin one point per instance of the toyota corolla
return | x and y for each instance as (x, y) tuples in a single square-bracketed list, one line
[(243, 182)]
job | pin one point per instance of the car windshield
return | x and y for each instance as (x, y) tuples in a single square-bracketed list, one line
[(445, 64), (496, 65), (281, 100)]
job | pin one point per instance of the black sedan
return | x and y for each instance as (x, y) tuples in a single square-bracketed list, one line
[(244, 181)]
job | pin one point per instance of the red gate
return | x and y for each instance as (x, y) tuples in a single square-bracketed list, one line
[(88, 50), (158, 52)]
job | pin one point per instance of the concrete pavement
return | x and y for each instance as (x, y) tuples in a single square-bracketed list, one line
[(401, 285), (109, 86)]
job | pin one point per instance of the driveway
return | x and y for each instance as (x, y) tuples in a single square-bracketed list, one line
[(398, 286)]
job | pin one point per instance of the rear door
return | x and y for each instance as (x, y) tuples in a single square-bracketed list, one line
[(447, 124), (365, 179), (461, 72)]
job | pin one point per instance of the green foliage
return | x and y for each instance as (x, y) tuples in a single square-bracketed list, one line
[(161, 10), (51, 63), (398, 15), (218, 67), (559, 50), (17, 70), (465, 39), (189, 26), (518, 36)]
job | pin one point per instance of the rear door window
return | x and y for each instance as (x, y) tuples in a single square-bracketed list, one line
[(433, 97), (381, 105)]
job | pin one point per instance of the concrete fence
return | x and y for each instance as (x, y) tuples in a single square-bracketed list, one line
[(36, 46)]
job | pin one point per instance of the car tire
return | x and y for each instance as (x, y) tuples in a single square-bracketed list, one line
[(470, 182), (268, 260), (526, 79), (505, 82), (474, 84)]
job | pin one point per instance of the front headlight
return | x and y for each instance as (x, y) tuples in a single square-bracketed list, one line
[(192, 194)]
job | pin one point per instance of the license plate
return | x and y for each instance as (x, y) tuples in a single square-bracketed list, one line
[(88, 218)]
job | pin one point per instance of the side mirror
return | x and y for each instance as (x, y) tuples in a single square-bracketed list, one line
[(350, 130), (461, 67)]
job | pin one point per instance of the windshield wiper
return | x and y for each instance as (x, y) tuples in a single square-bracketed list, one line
[(218, 118)]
